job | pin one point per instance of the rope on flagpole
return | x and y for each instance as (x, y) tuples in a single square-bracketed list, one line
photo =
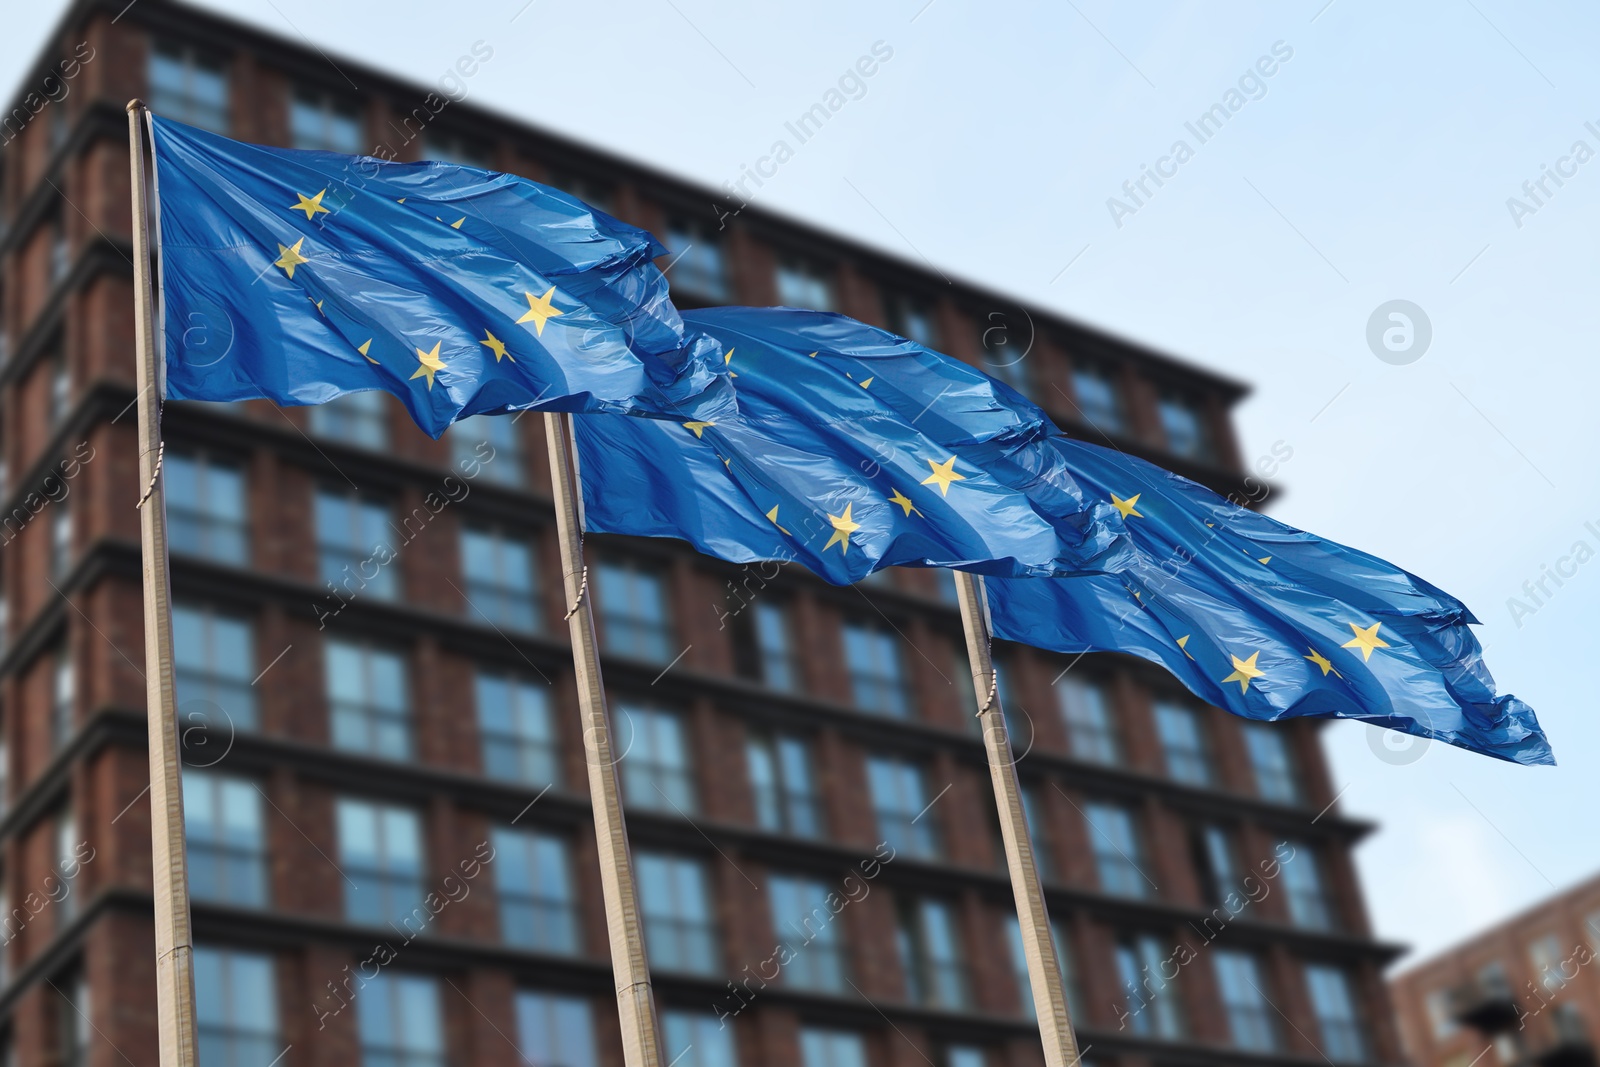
[(161, 452), (583, 589)]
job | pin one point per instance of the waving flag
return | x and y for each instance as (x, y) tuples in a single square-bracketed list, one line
[(1268, 621), (300, 276), (852, 449), (1251, 615)]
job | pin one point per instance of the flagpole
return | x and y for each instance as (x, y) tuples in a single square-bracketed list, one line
[(174, 941), (1044, 968), (635, 1001)]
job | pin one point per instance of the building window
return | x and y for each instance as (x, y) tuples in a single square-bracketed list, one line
[(61, 542), (1219, 874), (63, 698), (555, 1031), (1337, 1018), (514, 723), (1118, 853), (1086, 714), (1183, 743), (226, 838), (831, 1048), (695, 1040), (367, 698), (493, 442), (500, 574), (930, 954), (964, 1056), (802, 921), (1152, 1000), (1019, 967), (399, 1021), (205, 507), (380, 849), (1003, 357), (1098, 402), (355, 418), (73, 1028), (323, 121), (213, 665), (352, 539), (675, 901), (1250, 1022), (1184, 426), (912, 319), (1441, 1014), (877, 676), (804, 285), (1545, 956), (189, 86), (633, 612), (1270, 762), (453, 148), (698, 269), (783, 786), (68, 860), (656, 773), (235, 1007), (1302, 883), (775, 647), (534, 880), (900, 804), (60, 373)]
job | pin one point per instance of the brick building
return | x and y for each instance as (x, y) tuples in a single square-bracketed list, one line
[(785, 739), (1528, 989)]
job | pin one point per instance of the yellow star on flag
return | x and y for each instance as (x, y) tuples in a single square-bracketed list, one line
[(1126, 506), (456, 225), (904, 501), (540, 311), (697, 428), (773, 515), (727, 358), (289, 257), (497, 346), (1366, 640), (1322, 661), (866, 382), (843, 527), (1243, 671), (431, 364), (365, 345), (943, 474), (319, 306), (1183, 644), (1264, 559), (312, 206)]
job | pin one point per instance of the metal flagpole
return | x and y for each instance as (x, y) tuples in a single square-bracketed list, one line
[(1044, 968), (635, 1001), (174, 941)]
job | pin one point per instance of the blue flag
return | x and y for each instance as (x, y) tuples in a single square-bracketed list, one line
[(852, 449), (1267, 621), (300, 276)]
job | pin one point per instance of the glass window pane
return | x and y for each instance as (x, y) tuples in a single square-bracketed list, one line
[(555, 1030)]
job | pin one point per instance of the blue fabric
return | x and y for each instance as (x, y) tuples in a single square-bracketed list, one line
[(836, 421), (1239, 588), (300, 276)]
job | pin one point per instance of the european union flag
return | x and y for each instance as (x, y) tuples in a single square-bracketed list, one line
[(852, 449), (1268, 621), (300, 276)]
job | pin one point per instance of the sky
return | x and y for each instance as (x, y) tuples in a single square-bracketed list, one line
[(1376, 163)]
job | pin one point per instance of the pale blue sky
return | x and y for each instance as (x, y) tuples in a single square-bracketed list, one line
[(1376, 166)]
